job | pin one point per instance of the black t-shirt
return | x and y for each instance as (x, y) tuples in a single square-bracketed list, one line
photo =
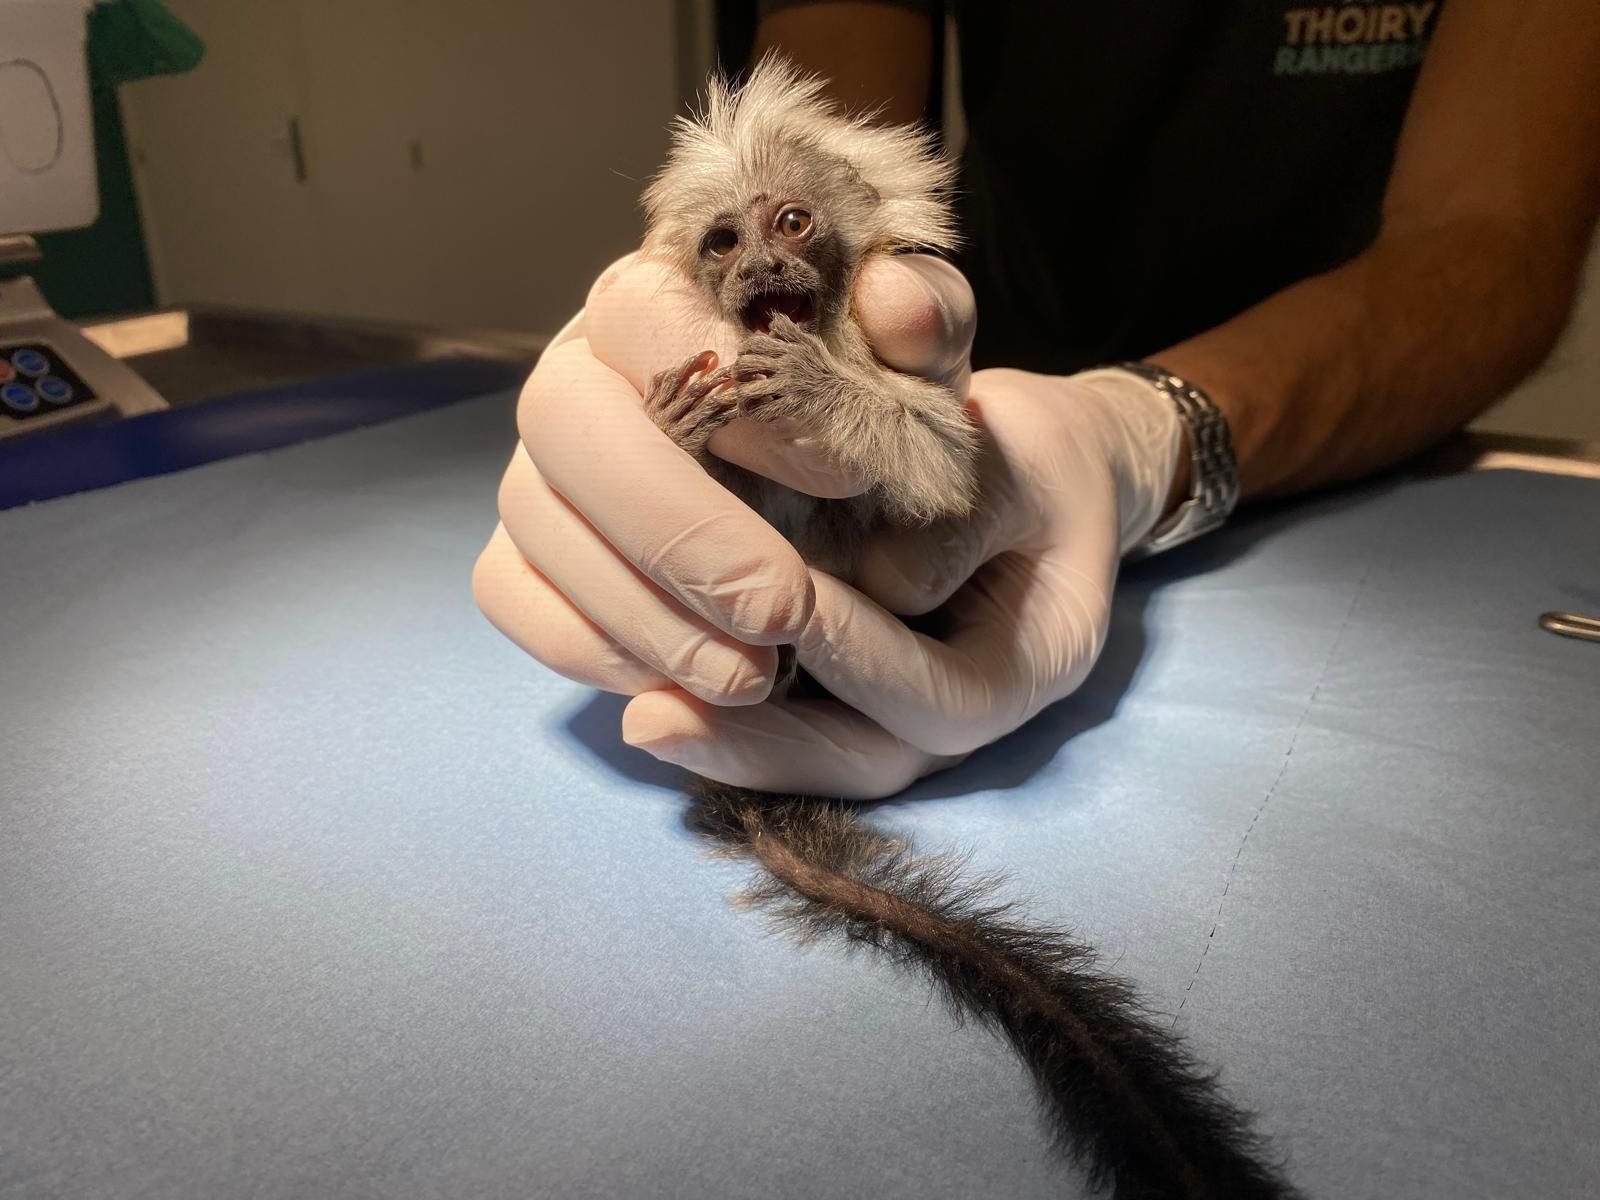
[(1135, 174)]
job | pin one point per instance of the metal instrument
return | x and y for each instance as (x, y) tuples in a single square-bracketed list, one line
[(1572, 625)]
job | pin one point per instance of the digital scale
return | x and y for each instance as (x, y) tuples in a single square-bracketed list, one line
[(50, 373)]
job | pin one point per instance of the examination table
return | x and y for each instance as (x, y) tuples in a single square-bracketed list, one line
[(313, 885)]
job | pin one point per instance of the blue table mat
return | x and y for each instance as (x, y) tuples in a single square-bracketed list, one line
[(312, 885), (83, 456)]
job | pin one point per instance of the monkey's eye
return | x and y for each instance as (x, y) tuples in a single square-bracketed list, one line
[(719, 242), (793, 222)]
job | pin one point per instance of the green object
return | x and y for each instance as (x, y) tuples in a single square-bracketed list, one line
[(135, 39), (104, 269)]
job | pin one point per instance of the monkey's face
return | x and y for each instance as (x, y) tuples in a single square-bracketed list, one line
[(776, 254)]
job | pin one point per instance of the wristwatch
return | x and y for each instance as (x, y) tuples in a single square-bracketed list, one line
[(1214, 472)]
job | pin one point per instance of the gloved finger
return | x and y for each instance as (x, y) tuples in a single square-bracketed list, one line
[(1022, 634), (588, 437), (914, 571), (526, 607), (642, 317), (622, 601), (817, 748), (571, 331), (919, 316)]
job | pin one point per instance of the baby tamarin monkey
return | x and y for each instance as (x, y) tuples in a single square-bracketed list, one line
[(770, 203)]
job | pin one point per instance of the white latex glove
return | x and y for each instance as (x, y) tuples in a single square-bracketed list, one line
[(1079, 471), (618, 562)]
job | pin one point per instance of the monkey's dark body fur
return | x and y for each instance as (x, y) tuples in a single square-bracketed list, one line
[(1123, 1097)]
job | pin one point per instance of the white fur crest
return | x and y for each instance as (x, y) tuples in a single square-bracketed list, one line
[(746, 135)]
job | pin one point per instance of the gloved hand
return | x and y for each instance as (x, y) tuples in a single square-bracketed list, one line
[(1079, 469), (1079, 472), (618, 562)]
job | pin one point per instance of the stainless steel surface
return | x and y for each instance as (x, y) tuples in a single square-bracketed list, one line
[(201, 352), (1571, 625), (19, 248), (1505, 451)]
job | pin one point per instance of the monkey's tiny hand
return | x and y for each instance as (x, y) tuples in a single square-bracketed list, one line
[(917, 314), (692, 401), (785, 372)]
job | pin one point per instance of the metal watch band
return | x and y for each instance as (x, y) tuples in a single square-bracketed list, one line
[(1214, 473)]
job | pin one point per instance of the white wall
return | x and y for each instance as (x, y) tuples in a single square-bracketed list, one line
[(223, 217), (471, 163), (1563, 398)]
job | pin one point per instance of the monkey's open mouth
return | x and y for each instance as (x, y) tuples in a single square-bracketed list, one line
[(759, 310)]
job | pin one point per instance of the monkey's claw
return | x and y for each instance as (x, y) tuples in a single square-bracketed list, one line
[(690, 402)]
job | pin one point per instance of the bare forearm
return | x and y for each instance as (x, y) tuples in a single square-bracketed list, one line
[(1351, 371), (1485, 221)]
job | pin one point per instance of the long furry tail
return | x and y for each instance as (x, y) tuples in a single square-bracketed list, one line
[(1125, 1099)]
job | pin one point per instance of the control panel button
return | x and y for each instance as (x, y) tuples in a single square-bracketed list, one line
[(36, 384), (54, 389), (30, 362), (19, 397)]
